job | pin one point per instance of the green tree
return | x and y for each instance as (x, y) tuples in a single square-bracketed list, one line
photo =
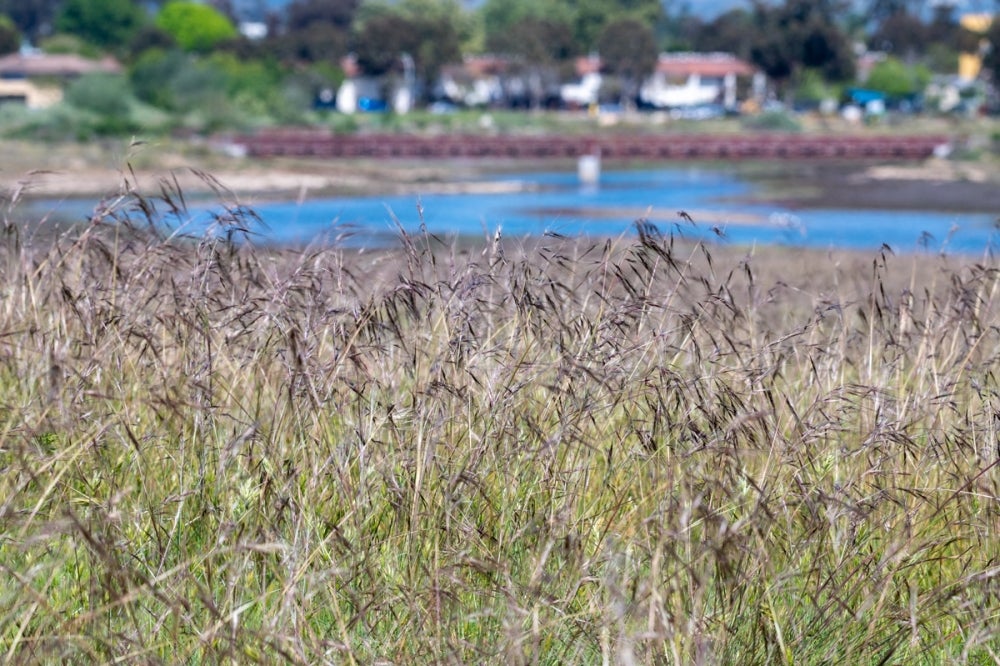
[(991, 61), (105, 23), (681, 29), (316, 42), (199, 94), (218, 89), (628, 51), (429, 31), (801, 34), (588, 18), (381, 41), (535, 40), (593, 16), (195, 27), (732, 32), (538, 48), (941, 60), (153, 73), (226, 8), (339, 13), (449, 12), (107, 101), (826, 48), (314, 31), (812, 88), (10, 38), (63, 43), (260, 88), (103, 94), (502, 18), (902, 34), (896, 79), (150, 37), (32, 17)]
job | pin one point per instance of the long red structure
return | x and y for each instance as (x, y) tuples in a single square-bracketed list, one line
[(310, 143)]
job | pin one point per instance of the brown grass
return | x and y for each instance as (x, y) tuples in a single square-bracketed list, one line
[(635, 450)]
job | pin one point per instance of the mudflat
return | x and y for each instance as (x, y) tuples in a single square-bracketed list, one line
[(935, 184), (103, 169)]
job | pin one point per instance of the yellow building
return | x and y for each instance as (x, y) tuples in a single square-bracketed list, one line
[(37, 80), (970, 64), (28, 93)]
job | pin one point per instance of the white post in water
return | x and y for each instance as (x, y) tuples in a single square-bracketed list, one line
[(588, 168)]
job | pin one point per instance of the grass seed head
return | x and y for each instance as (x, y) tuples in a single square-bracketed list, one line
[(641, 449)]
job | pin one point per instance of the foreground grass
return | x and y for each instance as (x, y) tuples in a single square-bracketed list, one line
[(627, 451)]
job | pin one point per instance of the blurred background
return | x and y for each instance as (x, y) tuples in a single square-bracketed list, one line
[(76, 69)]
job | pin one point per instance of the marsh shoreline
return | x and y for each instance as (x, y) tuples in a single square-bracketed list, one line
[(934, 185), (74, 171)]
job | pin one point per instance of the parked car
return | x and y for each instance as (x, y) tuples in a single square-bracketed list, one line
[(372, 105)]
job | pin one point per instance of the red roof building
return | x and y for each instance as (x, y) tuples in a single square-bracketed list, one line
[(705, 65), (698, 79)]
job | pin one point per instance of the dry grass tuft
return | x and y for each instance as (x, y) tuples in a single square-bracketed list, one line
[(630, 451)]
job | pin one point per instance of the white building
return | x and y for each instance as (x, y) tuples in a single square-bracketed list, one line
[(585, 91), (695, 79)]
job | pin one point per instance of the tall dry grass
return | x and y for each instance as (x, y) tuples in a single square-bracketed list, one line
[(624, 451)]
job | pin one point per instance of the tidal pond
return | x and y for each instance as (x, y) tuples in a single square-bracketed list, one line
[(717, 204)]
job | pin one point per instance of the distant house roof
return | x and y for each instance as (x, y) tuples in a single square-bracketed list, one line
[(702, 64), (477, 67), (485, 65), (18, 65), (681, 64)]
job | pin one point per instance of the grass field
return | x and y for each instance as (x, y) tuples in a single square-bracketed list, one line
[(630, 451)]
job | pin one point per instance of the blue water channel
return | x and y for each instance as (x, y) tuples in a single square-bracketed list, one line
[(558, 203)]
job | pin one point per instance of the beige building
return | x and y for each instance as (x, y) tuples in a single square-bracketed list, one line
[(32, 95), (37, 80), (971, 64)]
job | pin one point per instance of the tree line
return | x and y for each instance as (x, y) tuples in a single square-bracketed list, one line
[(180, 52)]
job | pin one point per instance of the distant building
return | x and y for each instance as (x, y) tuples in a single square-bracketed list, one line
[(971, 64), (585, 91), (478, 81), (37, 79), (964, 92), (696, 79), (944, 92), (253, 30), (374, 93)]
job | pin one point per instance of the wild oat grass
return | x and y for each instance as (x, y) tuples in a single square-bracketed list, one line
[(623, 451)]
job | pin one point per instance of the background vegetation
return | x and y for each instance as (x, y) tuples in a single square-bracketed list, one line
[(210, 76)]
